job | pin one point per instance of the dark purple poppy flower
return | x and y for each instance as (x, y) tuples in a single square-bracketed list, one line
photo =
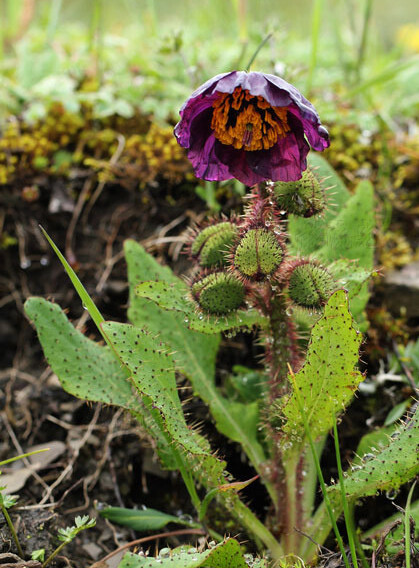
[(250, 126)]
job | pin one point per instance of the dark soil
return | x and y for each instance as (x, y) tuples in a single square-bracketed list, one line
[(106, 459)]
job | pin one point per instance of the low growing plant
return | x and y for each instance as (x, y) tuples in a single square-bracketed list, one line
[(289, 268), (64, 535)]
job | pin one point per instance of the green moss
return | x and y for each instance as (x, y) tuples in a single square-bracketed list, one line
[(132, 151)]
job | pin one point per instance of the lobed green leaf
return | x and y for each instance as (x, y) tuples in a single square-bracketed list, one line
[(152, 372)]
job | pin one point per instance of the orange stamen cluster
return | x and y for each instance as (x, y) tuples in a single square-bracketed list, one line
[(246, 121)]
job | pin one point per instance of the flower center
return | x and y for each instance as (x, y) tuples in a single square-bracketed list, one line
[(246, 121)]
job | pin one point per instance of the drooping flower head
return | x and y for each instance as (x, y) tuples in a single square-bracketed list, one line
[(250, 126)]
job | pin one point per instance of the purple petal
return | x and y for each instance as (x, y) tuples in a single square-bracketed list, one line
[(316, 133), (191, 110), (285, 161), (206, 163)]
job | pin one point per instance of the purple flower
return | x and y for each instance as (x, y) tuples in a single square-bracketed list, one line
[(250, 126)]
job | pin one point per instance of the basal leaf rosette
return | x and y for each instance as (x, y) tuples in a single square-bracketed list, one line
[(258, 253), (254, 127), (209, 245), (310, 285), (304, 197)]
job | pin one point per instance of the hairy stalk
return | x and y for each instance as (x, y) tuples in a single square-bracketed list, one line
[(281, 348)]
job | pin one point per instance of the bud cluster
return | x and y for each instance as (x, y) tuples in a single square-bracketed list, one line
[(234, 256)]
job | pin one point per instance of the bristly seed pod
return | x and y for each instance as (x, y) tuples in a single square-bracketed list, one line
[(211, 244), (304, 197), (310, 285), (219, 293), (258, 254)]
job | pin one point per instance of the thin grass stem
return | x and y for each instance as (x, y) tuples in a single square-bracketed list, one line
[(54, 15), (364, 37), (12, 529), (252, 59), (87, 301), (407, 526), (347, 516), (315, 35)]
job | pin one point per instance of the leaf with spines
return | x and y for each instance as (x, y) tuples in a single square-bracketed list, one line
[(387, 468), (350, 236), (176, 297), (194, 352), (91, 371), (152, 372), (86, 369), (227, 554), (328, 378)]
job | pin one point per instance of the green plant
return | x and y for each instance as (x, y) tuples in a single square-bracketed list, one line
[(226, 553), (65, 535), (7, 501), (168, 333), (69, 533)]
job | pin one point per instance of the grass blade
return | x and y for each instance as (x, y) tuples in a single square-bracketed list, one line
[(87, 301)]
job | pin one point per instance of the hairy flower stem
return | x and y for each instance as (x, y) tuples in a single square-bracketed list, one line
[(281, 349)]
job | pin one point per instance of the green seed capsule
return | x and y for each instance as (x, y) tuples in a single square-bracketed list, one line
[(304, 197), (310, 285), (211, 244), (219, 293), (258, 254)]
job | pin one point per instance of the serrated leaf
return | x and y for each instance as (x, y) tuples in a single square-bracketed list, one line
[(175, 297), (328, 378), (308, 235), (390, 467), (142, 519), (194, 351), (225, 555)]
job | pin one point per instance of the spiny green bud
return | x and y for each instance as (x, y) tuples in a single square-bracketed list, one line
[(219, 293), (212, 242), (310, 285), (258, 254), (304, 197)]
